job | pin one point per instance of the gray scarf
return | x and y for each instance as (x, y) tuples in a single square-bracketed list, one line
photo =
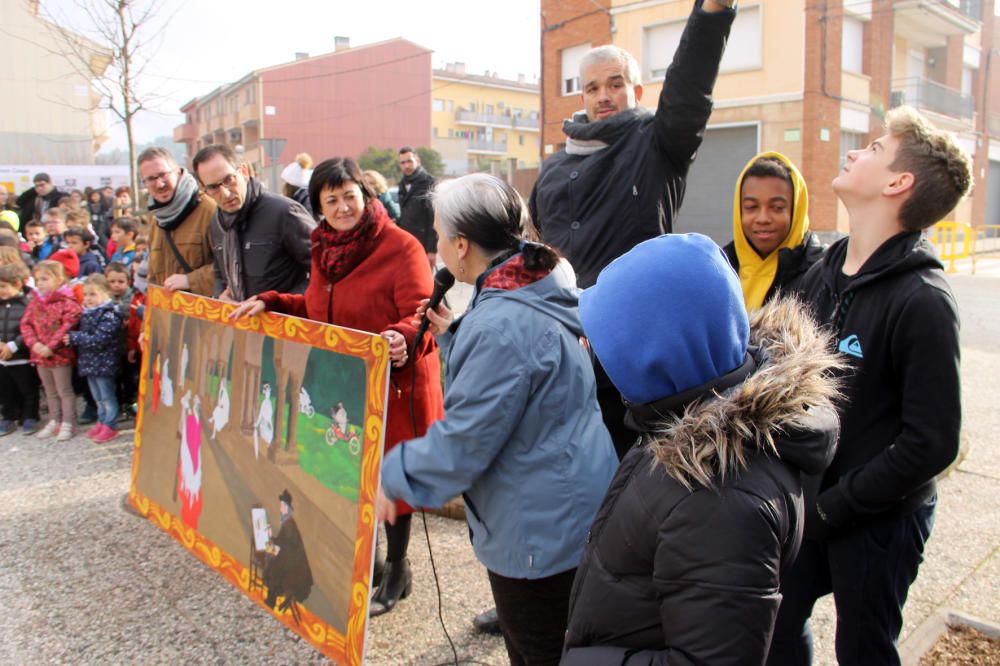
[(584, 137), (232, 253), (171, 214)]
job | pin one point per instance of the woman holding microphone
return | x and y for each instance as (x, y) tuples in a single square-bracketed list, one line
[(522, 437)]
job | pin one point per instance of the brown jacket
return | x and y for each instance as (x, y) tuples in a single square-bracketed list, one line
[(195, 245)]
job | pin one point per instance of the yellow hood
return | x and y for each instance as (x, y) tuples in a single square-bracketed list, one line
[(756, 272)]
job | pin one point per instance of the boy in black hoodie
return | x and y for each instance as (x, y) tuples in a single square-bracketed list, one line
[(883, 293), (19, 382)]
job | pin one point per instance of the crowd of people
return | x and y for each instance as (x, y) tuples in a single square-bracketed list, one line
[(667, 449)]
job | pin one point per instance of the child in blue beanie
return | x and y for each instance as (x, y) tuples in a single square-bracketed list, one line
[(729, 412)]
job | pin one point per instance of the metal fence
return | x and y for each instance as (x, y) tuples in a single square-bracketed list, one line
[(926, 94)]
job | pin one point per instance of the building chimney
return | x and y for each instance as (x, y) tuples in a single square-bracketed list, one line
[(460, 68), (341, 43), (520, 79), (301, 55)]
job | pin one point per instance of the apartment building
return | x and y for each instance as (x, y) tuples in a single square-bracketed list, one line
[(335, 104), (49, 113), (483, 122), (809, 79)]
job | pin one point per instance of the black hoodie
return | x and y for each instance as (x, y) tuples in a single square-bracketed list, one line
[(896, 323)]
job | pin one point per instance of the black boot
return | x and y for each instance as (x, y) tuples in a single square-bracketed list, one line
[(397, 583), (379, 567)]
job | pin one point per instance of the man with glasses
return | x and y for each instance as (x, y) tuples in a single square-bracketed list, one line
[(33, 203), (180, 244), (260, 241)]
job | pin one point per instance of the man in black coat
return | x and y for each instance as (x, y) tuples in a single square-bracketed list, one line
[(33, 203), (417, 215), (620, 179), (260, 240)]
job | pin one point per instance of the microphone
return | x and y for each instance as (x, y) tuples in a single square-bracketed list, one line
[(443, 281)]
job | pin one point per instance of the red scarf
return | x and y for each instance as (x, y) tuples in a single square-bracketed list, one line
[(512, 275), (337, 253)]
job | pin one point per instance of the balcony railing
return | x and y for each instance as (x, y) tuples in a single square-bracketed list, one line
[(473, 118), (487, 146), (971, 8), (932, 96)]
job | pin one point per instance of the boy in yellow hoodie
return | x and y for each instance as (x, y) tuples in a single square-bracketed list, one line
[(772, 246)]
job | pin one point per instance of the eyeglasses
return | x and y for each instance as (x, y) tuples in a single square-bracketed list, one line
[(229, 182), (152, 180)]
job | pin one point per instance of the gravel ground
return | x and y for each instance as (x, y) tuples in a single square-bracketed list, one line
[(84, 582)]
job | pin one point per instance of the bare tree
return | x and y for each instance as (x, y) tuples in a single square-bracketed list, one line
[(111, 42)]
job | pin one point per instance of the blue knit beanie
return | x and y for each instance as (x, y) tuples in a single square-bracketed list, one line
[(666, 317)]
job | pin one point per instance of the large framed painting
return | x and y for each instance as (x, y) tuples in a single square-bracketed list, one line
[(257, 447)]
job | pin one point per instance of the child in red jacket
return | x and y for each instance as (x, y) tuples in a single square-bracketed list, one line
[(50, 315)]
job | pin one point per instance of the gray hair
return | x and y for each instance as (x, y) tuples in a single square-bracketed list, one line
[(611, 53), (482, 208), (156, 152)]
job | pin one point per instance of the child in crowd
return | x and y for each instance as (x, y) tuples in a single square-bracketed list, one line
[(81, 242), (129, 303), (99, 344), (77, 218), (34, 233), (55, 225), (18, 380), (50, 315), (123, 233)]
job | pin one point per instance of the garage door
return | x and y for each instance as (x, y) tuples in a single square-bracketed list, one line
[(708, 201)]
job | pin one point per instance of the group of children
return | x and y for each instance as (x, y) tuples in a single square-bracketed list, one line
[(69, 314)]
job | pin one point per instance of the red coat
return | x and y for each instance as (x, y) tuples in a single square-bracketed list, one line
[(382, 292), (48, 323)]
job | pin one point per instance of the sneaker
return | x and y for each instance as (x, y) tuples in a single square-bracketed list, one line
[(50, 430), (106, 434), (7, 427), (89, 416), (30, 426), (93, 431), (65, 432)]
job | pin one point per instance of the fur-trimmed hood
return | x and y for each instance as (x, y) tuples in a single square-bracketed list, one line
[(787, 393)]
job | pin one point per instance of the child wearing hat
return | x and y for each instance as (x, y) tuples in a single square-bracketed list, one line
[(685, 556)]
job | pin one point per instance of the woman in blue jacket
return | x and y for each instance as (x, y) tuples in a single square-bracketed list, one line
[(522, 437)]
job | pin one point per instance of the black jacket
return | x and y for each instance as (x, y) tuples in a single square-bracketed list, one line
[(792, 264), (274, 241), (26, 203), (11, 312), (416, 212), (896, 323), (672, 575), (595, 208)]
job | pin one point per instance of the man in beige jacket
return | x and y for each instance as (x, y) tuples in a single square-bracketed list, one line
[(180, 246)]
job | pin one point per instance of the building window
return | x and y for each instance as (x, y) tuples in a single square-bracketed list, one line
[(744, 50), (488, 109), (851, 141), (437, 104), (472, 107), (451, 132), (852, 45), (434, 132), (571, 58), (520, 139), (967, 81), (451, 105)]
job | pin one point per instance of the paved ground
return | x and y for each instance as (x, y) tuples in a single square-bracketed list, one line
[(83, 582)]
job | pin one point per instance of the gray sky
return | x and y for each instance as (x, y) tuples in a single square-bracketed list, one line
[(205, 44)]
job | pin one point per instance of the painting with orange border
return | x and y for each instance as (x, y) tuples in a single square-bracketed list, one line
[(257, 447)]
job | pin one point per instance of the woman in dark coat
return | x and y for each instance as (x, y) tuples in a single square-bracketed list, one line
[(370, 275), (684, 558)]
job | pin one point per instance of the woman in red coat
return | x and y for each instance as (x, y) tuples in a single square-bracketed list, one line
[(370, 275)]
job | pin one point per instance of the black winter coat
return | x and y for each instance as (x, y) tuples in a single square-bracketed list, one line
[(26, 203), (416, 213), (11, 312), (672, 575), (99, 341), (596, 208), (275, 245), (896, 323), (793, 262)]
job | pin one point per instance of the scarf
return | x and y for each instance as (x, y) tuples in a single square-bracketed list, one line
[(584, 137), (337, 253), (232, 254), (407, 181), (170, 215), (512, 275)]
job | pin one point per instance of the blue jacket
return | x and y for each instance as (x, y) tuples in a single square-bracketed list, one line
[(99, 341), (522, 436), (90, 262)]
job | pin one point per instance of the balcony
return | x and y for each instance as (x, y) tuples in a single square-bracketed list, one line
[(929, 23), (931, 96), (463, 117), (484, 146), (185, 133)]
